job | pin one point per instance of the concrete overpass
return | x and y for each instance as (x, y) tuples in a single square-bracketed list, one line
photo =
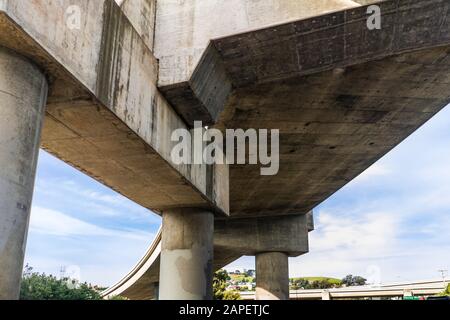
[(102, 85), (232, 239)]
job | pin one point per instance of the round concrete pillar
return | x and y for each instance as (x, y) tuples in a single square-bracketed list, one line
[(23, 93), (186, 255), (272, 276)]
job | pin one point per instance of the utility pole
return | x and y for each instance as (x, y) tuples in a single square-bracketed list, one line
[(62, 272), (443, 273)]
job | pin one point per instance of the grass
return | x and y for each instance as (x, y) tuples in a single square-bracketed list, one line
[(312, 279), (240, 278)]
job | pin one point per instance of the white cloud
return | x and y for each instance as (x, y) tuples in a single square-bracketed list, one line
[(55, 223), (102, 255), (376, 170), (367, 233), (56, 190)]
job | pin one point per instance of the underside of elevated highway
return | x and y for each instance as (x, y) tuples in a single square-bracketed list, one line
[(103, 84)]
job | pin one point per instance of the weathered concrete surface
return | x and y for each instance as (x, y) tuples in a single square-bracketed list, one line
[(142, 14), (232, 240), (186, 268), (23, 91), (272, 276), (333, 125), (106, 116), (183, 31), (288, 234), (366, 2), (184, 28), (330, 41), (341, 95), (310, 221), (302, 47), (338, 110)]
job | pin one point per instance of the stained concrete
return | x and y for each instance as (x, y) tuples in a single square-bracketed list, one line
[(288, 234), (180, 46), (23, 93), (103, 99), (142, 14), (337, 113), (333, 126), (341, 95), (232, 240), (186, 269), (272, 276)]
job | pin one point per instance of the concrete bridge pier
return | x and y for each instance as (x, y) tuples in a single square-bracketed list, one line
[(272, 276), (186, 269), (23, 94)]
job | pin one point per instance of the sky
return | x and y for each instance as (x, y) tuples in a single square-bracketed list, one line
[(390, 224)]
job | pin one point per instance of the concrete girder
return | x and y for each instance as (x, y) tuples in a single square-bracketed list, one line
[(341, 95), (283, 50), (250, 236), (103, 97), (142, 14), (180, 46)]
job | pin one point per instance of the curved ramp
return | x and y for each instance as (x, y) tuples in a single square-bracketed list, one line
[(232, 240), (141, 283)]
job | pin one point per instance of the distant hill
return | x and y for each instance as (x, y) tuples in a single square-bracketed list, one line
[(312, 279)]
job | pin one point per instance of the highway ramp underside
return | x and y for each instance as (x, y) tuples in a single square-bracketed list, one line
[(341, 94)]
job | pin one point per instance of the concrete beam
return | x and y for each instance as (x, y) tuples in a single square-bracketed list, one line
[(103, 96), (250, 236), (272, 276), (310, 221), (334, 40), (186, 270), (201, 94), (23, 93), (142, 14), (330, 39), (180, 45)]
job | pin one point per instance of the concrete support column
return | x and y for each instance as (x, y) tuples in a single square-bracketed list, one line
[(23, 93), (186, 255), (326, 295), (272, 276)]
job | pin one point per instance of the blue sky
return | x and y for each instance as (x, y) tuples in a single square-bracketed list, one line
[(389, 224)]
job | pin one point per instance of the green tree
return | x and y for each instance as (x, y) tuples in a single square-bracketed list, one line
[(321, 284), (351, 281), (446, 292), (220, 287), (300, 284), (36, 286)]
